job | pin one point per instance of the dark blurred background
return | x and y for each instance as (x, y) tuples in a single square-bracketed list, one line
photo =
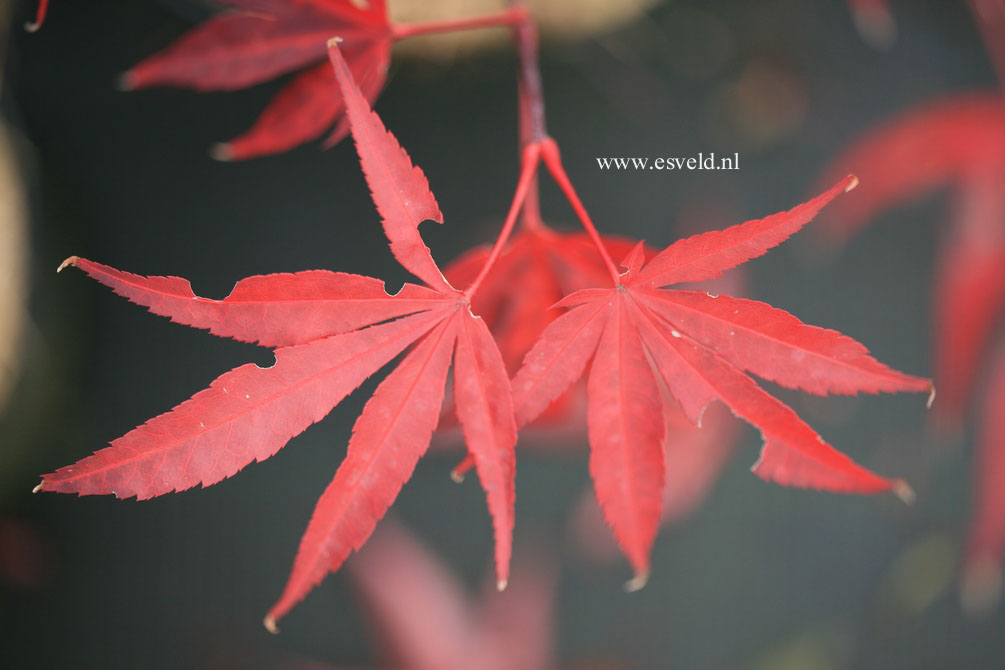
[(759, 577)]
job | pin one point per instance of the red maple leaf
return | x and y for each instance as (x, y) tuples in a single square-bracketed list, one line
[(957, 142), (237, 49), (268, 38), (397, 577), (644, 344), (544, 262), (331, 331), (642, 341), (694, 455), (539, 267)]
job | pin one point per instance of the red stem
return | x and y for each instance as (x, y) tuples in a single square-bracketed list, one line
[(510, 17), (532, 127), (532, 205), (528, 171), (553, 160), (530, 107), (532, 208)]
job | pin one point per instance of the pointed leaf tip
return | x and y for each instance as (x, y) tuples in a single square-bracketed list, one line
[(72, 260), (637, 582), (124, 82), (461, 469), (875, 25), (221, 152), (502, 584), (40, 12), (903, 490), (38, 488), (931, 397), (270, 624), (388, 438), (707, 255)]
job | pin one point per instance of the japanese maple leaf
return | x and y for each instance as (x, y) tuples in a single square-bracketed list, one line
[(398, 577), (694, 455), (330, 332), (642, 341), (268, 38), (237, 49), (959, 143)]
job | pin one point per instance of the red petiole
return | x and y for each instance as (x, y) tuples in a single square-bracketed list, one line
[(528, 171), (534, 139), (553, 160)]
